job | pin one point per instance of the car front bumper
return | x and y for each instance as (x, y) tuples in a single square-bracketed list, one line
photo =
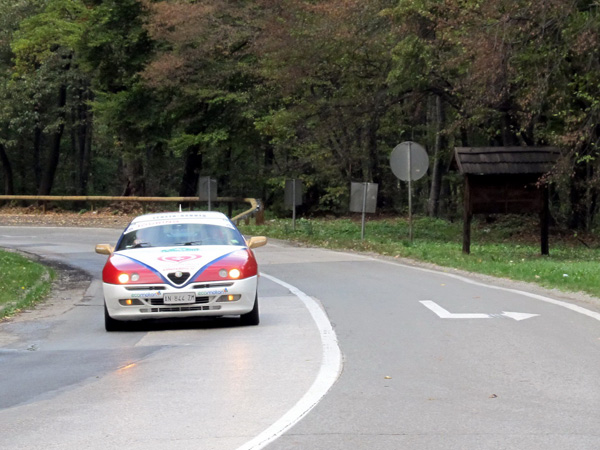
[(211, 299)]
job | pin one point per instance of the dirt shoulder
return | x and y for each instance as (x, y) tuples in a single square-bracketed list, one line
[(70, 285), (91, 219)]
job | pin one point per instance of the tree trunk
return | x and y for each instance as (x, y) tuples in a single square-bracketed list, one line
[(84, 144), (9, 188), (374, 171), (133, 169), (37, 150), (191, 172), (433, 206), (577, 194), (53, 157), (509, 127), (267, 172), (467, 218), (590, 196)]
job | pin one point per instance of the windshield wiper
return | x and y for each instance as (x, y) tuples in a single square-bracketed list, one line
[(190, 243), (141, 244)]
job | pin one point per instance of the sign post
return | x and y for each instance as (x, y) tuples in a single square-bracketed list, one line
[(207, 190), (409, 161), (293, 197), (363, 199)]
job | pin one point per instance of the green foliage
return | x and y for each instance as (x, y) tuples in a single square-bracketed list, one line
[(59, 25), (506, 249), (183, 141), (159, 93), (23, 283), (115, 46)]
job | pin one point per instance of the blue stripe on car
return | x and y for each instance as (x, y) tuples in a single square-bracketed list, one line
[(191, 279), (203, 268)]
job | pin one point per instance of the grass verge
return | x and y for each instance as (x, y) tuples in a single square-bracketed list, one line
[(509, 247), (23, 283)]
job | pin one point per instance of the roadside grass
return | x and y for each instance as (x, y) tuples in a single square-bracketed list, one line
[(509, 247), (23, 283)]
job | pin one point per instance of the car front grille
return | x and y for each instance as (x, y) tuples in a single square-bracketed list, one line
[(180, 309), (178, 279)]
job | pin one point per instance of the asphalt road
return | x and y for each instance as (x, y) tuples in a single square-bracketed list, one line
[(430, 361), (414, 380)]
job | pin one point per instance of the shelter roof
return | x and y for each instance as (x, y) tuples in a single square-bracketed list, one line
[(505, 160)]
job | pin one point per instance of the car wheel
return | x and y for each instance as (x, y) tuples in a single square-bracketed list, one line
[(111, 324), (251, 318)]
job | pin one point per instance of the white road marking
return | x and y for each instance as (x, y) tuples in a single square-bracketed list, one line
[(572, 307), (331, 367), (445, 314), (518, 316)]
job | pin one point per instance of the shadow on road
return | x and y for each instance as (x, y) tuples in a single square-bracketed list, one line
[(196, 323)]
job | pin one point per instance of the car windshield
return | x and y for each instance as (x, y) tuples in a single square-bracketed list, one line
[(180, 234)]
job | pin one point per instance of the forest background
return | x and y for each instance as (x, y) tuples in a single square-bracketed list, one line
[(141, 97)]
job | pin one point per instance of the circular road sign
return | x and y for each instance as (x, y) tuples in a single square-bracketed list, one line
[(402, 165)]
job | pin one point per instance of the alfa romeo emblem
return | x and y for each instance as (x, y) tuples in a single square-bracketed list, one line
[(178, 274)]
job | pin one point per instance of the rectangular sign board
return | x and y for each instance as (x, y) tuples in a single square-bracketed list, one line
[(293, 191), (207, 191), (358, 200)]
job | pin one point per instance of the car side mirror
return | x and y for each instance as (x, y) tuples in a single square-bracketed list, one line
[(105, 249), (257, 241)]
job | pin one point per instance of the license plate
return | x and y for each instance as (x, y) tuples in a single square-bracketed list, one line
[(181, 298)]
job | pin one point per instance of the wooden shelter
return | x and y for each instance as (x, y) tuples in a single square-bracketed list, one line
[(505, 180)]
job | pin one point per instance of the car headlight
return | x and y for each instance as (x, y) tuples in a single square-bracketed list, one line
[(123, 270), (237, 265)]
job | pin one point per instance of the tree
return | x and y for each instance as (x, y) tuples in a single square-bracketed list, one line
[(11, 14), (44, 49), (330, 63), (114, 49), (205, 71)]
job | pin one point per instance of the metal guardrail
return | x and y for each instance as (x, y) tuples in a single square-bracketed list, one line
[(254, 210)]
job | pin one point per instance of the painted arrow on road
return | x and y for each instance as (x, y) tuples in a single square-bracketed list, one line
[(444, 314)]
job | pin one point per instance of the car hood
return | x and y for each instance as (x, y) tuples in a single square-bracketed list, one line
[(166, 260)]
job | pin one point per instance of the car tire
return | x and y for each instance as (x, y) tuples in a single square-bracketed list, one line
[(251, 318), (111, 324)]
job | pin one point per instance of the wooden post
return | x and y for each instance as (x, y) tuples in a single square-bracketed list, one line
[(260, 217), (544, 221), (467, 217)]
